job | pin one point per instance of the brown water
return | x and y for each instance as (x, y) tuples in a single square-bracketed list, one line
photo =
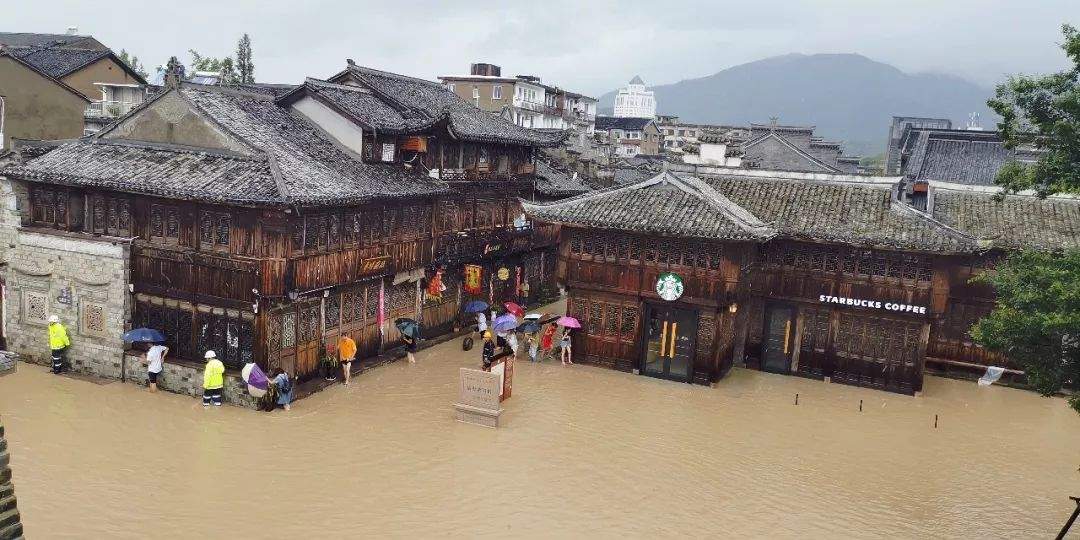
[(583, 451)]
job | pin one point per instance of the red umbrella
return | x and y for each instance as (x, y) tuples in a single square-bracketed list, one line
[(568, 322), (515, 309)]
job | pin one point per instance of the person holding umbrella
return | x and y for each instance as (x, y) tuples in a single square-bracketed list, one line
[(410, 334), (155, 360), (564, 344), (547, 341), (346, 353), (155, 352)]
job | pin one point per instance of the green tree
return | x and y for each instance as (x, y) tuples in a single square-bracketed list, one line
[(1036, 322), (245, 68), (224, 66), (132, 62), (1043, 112)]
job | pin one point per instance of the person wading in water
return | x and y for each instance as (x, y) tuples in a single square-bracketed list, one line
[(58, 344), (213, 380), (489, 350), (346, 353)]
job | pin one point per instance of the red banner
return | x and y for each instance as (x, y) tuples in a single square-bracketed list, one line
[(473, 279)]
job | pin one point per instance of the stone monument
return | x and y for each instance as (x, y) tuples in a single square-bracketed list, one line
[(478, 401), (10, 523)]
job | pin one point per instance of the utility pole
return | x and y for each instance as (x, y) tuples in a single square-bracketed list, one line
[(1072, 518)]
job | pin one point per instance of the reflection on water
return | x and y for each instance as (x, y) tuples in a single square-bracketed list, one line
[(583, 451)]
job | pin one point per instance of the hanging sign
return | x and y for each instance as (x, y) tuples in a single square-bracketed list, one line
[(472, 279), (669, 286), (504, 274), (435, 287)]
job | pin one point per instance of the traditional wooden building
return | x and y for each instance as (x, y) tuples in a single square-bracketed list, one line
[(263, 225), (823, 276)]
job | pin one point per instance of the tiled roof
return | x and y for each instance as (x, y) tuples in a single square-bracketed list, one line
[(27, 39), (425, 103), (365, 107), (759, 205), (166, 171), (605, 123), (555, 182), (296, 164), (958, 156), (57, 61), (665, 204), (1014, 222), (314, 169), (845, 209)]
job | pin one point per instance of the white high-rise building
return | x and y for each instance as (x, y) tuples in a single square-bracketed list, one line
[(634, 101)]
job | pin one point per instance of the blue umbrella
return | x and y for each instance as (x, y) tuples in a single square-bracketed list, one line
[(505, 323), (476, 306), (530, 327), (144, 335)]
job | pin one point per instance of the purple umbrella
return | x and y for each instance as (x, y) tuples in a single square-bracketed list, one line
[(505, 323)]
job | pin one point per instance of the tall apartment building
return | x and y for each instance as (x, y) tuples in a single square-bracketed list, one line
[(634, 101), (525, 100)]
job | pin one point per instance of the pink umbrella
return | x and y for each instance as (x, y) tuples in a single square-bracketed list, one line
[(568, 322)]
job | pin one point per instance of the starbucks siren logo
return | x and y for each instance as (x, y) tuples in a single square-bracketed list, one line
[(669, 286)]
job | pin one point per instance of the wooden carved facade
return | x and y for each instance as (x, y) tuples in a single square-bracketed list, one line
[(748, 297), (278, 286)]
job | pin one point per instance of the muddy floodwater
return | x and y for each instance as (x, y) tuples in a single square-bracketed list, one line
[(583, 451)]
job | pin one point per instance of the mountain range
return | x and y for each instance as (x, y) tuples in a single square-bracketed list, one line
[(847, 97)]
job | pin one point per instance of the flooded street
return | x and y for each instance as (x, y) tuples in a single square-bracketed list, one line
[(583, 451)]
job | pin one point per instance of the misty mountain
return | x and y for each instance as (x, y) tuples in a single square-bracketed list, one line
[(848, 97)]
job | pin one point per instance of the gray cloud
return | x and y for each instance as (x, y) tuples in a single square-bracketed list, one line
[(589, 46)]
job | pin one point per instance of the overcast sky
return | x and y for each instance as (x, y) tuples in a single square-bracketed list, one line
[(589, 46)]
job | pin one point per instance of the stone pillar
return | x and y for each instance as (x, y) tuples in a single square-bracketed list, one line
[(10, 524)]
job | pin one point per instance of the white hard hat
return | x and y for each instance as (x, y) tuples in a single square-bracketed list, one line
[(209, 355), (53, 319)]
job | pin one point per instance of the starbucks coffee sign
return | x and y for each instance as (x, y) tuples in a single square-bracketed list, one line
[(669, 286)]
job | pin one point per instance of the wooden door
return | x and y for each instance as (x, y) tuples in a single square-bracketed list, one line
[(670, 343), (777, 345)]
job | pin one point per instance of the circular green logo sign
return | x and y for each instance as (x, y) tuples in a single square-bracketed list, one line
[(669, 286)]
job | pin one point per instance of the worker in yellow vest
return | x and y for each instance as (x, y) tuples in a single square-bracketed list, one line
[(58, 343), (213, 380)]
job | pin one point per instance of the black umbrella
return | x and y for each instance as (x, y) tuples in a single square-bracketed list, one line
[(408, 327)]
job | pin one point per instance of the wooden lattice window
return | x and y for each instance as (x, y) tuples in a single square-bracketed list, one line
[(611, 320), (352, 228), (50, 207), (288, 329), (402, 298), (448, 216), (111, 215), (215, 228), (332, 311), (371, 306), (575, 242), (706, 335), (628, 324), (164, 223), (815, 329)]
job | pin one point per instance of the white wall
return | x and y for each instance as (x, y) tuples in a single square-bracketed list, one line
[(340, 128)]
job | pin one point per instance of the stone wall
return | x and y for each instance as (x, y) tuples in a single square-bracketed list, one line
[(78, 277), (10, 522), (187, 378)]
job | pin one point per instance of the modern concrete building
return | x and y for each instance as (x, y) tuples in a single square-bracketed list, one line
[(634, 101)]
